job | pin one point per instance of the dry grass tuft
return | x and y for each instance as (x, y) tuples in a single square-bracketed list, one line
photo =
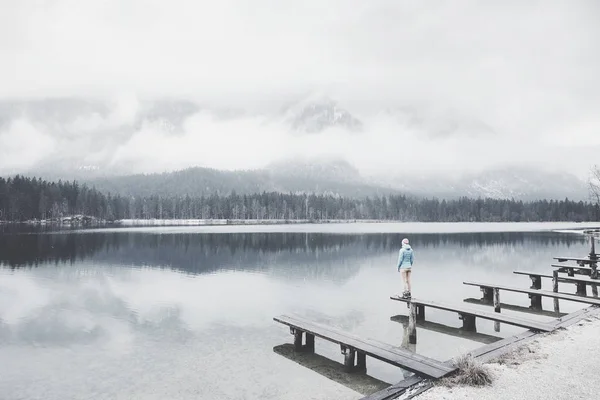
[(471, 372)]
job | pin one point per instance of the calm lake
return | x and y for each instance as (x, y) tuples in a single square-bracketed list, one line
[(187, 312)]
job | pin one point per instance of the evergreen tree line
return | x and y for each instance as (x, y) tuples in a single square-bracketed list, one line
[(23, 198)]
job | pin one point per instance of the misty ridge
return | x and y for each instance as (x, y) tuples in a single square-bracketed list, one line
[(122, 147), (355, 99)]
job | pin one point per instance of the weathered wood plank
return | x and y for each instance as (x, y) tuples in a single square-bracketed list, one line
[(415, 384), (493, 350), (392, 355), (544, 293), (577, 316), (578, 269), (585, 260), (567, 279), (507, 319)]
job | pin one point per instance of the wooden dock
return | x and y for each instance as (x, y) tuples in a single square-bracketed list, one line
[(468, 316), (573, 270), (581, 282), (426, 369), (353, 346), (534, 294)]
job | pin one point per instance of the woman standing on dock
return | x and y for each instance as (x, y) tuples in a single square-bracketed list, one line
[(405, 262)]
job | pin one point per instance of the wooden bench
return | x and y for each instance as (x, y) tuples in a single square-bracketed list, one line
[(466, 314), (534, 294), (581, 282), (353, 346), (591, 261), (571, 270), (582, 260)]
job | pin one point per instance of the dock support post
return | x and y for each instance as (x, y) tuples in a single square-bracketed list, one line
[(536, 301), (297, 339), (361, 361), (496, 308), (594, 290), (468, 322), (310, 342), (594, 273), (581, 289), (555, 289), (412, 324), (349, 355), (536, 281), (420, 312), (487, 295), (497, 300)]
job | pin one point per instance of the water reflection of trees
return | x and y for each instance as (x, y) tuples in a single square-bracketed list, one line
[(308, 254)]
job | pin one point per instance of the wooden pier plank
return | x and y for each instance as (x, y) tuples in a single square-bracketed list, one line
[(577, 316), (565, 279), (579, 267), (539, 292), (393, 355), (493, 316), (585, 260), (496, 349), (414, 383)]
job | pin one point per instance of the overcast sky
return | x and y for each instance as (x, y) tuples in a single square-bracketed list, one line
[(527, 70)]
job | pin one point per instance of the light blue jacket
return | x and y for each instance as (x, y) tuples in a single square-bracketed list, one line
[(406, 257)]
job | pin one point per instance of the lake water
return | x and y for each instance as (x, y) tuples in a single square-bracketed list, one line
[(187, 312)]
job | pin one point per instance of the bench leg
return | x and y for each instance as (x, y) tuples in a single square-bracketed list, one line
[(468, 322), (488, 295), (594, 290), (412, 324), (496, 308), (349, 355), (420, 313), (297, 339), (581, 289), (536, 301), (496, 295), (361, 361), (310, 343), (536, 281), (555, 289)]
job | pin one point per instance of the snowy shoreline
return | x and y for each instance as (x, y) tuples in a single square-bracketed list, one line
[(211, 222), (557, 365)]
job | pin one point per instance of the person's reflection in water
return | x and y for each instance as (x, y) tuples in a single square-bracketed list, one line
[(407, 345)]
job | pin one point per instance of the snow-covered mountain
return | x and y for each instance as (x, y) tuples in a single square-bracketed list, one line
[(315, 114), (78, 139)]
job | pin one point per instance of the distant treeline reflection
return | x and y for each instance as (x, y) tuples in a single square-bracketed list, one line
[(199, 253)]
